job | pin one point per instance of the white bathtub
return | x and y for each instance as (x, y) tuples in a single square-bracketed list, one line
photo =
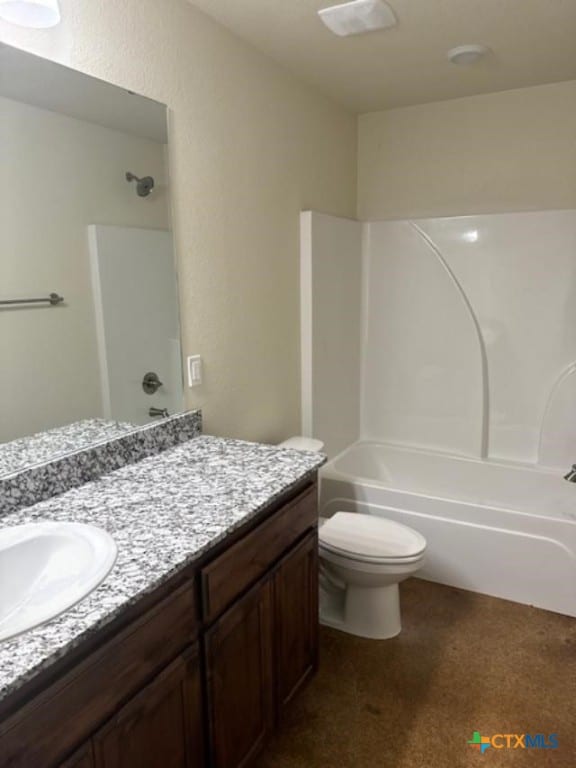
[(506, 530)]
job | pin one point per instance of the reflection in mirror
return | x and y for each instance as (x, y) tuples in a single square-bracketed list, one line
[(84, 215)]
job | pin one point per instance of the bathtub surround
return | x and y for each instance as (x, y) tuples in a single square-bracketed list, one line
[(163, 513), (330, 306), (423, 370), (466, 336), (485, 306), (36, 483), (135, 292)]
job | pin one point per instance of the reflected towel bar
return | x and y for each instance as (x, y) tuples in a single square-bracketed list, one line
[(53, 300)]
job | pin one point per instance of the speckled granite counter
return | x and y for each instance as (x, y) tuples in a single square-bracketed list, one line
[(72, 470), (163, 512), (53, 443)]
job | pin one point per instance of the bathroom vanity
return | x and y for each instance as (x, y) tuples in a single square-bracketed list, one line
[(205, 629)]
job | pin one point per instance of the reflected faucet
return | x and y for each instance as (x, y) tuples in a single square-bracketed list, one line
[(158, 412), (571, 476)]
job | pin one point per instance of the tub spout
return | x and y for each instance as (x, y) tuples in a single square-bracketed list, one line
[(571, 476)]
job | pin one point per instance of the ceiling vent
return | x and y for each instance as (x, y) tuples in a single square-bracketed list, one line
[(358, 17)]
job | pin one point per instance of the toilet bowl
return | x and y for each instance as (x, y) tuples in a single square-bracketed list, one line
[(363, 558), (300, 443)]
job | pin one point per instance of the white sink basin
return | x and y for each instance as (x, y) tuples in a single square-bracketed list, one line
[(47, 567)]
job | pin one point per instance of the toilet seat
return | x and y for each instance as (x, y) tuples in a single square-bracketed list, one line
[(370, 539)]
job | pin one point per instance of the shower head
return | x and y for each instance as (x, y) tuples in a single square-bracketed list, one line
[(143, 186)]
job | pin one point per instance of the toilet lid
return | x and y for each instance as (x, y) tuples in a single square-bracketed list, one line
[(370, 537)]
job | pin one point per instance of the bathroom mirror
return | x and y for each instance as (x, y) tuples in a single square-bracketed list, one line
[(89, 320)]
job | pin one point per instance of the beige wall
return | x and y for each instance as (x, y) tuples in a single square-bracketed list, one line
[(250, 147), (509, 151), (58, 176)]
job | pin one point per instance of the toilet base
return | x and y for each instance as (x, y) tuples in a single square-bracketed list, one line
[(365, 612)]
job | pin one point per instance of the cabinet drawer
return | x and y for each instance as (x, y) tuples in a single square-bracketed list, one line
[(68, 711), (245, 562)]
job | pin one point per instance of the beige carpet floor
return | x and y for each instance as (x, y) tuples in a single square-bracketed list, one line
[(463, 663)]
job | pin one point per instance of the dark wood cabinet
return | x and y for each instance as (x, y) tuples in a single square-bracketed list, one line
[(227, 576), (196, 675), (260, 653), (296, 619), (239, 673), (161, 726), (83, 758), (66, 713)]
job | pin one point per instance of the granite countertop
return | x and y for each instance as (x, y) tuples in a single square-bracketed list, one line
[(28, 451), (163, 512)]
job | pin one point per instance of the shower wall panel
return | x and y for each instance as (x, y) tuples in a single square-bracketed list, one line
[(423, 369), (470, 335), (331, 272)]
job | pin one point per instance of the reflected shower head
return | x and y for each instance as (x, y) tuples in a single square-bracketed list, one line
[(143, 186)]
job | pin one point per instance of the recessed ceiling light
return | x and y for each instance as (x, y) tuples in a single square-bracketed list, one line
[(36, 14), (358, 17), (464, 55)]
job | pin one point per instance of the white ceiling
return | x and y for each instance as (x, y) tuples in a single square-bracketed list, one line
[(533, 42), (47, 85)]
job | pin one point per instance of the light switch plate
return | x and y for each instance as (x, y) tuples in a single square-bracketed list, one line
[(194, 367)]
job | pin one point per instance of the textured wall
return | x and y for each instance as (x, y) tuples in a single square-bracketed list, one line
[(510, 151), (250, 147)]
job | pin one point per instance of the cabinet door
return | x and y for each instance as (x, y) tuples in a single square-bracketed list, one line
[(296, 618), (161, 726), (239, 678), (83, 758)]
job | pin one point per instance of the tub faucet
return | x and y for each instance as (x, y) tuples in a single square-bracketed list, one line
[(571, 476), (154, 413)]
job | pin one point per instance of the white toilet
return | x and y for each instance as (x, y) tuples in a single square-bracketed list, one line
[(363, 558), (300, 443)]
